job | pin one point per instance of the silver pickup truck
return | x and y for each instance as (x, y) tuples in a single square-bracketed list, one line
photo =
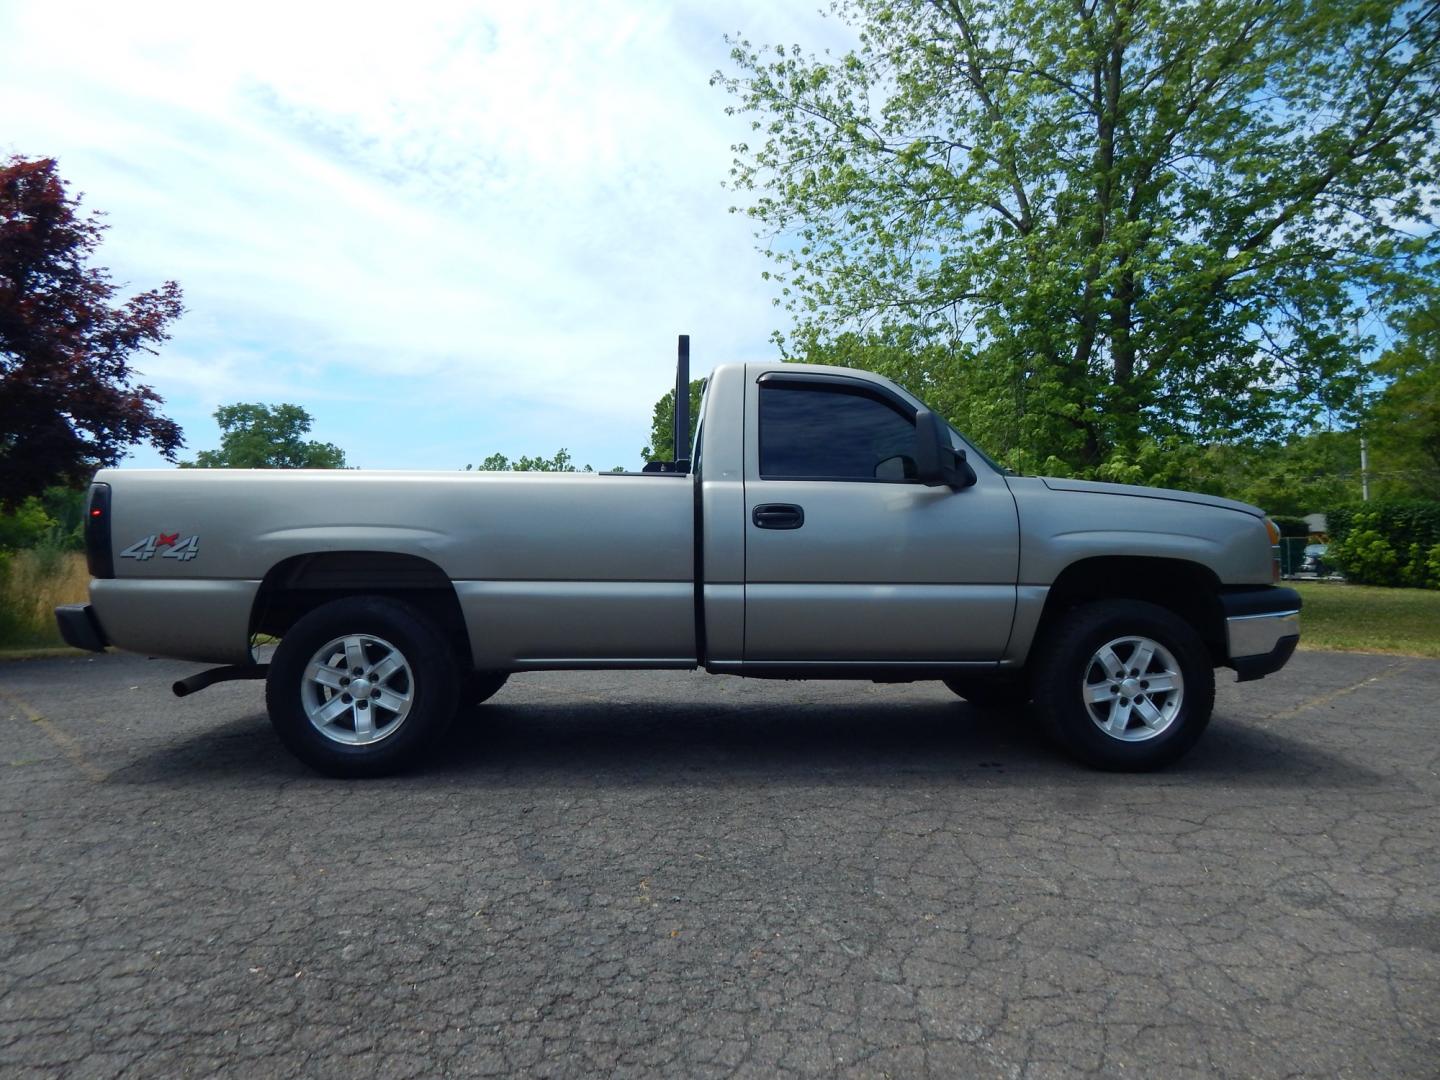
[(827, 525)]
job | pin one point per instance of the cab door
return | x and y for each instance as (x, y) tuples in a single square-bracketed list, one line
[(847, 558)]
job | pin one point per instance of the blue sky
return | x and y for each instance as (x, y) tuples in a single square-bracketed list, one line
[(446, 230)]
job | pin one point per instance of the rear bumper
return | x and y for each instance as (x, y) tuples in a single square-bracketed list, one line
[(1262, 628), (206, 619), (80, 628)]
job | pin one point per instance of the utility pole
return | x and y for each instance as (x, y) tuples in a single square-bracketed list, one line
[(1364, 470), (1364, 443), (1360, 425)]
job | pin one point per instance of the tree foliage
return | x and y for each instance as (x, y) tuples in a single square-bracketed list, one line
[(1306, 475), (560, 462), (662, 424), (1084, 226), (255, 436), (1404, 421), (69, 399)]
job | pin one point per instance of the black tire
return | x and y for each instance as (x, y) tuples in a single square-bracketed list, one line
[(991, 693), (426, 686), (481, 686), (1067, 659)]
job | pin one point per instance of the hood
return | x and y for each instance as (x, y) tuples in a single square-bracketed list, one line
[(1094, 487)]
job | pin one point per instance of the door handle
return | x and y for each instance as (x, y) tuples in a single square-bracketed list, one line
[(778, 516)]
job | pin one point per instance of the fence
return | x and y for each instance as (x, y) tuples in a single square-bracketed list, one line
[(1292, 550)]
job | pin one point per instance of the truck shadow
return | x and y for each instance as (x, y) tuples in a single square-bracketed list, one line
[(667, 743)]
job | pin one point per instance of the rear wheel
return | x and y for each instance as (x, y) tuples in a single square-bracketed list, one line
[(362, 686), (1124, 685)]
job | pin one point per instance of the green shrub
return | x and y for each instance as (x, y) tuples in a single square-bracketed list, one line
[(24, 526), (1406, 521), (56, 518), (1365, 554), (1386, 543)]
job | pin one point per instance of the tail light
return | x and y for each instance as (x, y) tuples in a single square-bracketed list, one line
[(99, 554)]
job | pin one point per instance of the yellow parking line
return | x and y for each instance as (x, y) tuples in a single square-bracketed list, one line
[(68, 744), (1326, 698)]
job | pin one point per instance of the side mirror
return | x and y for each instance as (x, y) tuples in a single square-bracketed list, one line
[(937, 463)]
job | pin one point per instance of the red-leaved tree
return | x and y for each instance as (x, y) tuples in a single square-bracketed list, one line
[(69, 402)]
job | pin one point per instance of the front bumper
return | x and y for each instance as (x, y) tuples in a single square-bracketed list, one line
[(80, 628), (1262, 628)]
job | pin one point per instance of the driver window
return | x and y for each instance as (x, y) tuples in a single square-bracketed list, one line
[(818, 432)]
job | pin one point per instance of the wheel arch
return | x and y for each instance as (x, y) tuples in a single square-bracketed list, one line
[(299, 584), (1189, 589)]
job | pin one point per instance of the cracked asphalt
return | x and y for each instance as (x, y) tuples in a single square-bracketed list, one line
[(672, 874)]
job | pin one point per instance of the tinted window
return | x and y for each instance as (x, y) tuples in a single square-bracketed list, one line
[(825, 433)]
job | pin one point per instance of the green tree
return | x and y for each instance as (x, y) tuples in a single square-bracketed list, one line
[(561, 462), (1404, 421), (662, 424), (1082, 226), (266, 437), (1308, 474)]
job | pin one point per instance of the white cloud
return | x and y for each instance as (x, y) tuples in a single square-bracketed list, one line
[(446, 229)]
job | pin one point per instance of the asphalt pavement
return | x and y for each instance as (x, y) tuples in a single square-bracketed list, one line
[(673, 874)]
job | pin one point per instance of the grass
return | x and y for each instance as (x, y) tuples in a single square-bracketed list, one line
[(1364, 618), (32, 583), (1345, 618)]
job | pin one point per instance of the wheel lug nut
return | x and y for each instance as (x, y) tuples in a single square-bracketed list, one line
[(346, 698), (345, 680), (357, 671), (375, 693), (364, 704)]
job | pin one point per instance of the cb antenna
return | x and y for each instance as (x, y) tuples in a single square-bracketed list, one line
[(682, 406)]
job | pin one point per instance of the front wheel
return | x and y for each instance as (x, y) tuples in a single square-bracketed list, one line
[(362, 686), (1124, 685)]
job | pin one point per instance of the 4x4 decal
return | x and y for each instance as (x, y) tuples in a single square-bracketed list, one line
[(168, 545)]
